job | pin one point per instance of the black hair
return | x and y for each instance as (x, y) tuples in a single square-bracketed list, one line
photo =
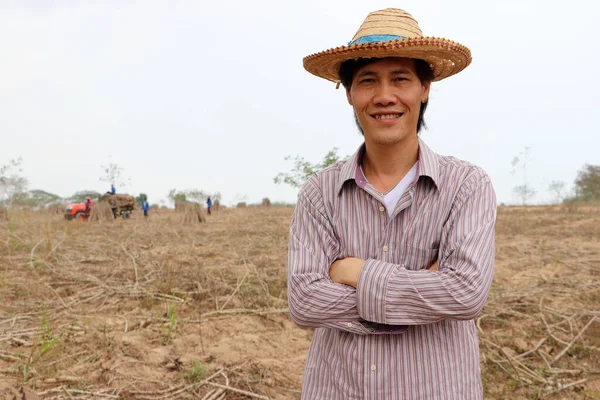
[(423, 70)]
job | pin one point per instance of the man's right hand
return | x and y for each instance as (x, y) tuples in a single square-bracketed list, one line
[(434, 267)]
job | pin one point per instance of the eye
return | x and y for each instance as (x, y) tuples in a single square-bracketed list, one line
[(367, 80), (400, 79)]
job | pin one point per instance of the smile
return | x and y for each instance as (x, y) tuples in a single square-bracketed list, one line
[(387, 116)]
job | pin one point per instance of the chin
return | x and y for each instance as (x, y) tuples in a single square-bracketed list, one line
[(387, 139)]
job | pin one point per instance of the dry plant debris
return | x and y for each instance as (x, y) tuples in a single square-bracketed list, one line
[(162, 309)]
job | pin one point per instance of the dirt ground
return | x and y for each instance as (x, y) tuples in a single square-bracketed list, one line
[(163, 309)]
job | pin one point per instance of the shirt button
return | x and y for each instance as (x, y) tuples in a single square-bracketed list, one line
[(373, 367), (385, 248), (349, 324), (381, 208)]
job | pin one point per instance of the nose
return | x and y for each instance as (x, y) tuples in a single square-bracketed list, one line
[(384, 94)]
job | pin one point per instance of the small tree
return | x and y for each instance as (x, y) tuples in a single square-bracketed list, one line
[(587, 183), (140, 198), (557, 188), (523, 192), (113, 175), (196, 195), (240, 198), (175, 196), (193, 195), (303, 170), (12, 183)]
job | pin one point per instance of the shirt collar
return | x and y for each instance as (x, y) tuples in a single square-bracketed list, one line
[(428, 166), (348, 170), (429, 163)]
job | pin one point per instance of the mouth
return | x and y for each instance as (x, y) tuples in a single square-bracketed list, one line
[(387, 117)]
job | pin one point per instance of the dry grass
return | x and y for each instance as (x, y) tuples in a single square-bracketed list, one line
[(192, 213), (540, 331), (157, 309), (101, 211), (56, 209)]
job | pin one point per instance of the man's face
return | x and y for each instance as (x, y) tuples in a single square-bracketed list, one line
[(387, 96)]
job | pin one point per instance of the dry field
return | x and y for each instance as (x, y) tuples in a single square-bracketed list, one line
[(162, 309)]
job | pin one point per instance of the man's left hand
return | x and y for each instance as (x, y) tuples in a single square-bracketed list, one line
[(346, 271)]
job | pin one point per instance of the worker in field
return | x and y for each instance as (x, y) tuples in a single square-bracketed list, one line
[(209, 205), (145, 207), (88, 204), (391, 252), (113, 190)]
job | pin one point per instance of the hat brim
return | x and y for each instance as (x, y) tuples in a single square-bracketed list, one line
[(445, 57)]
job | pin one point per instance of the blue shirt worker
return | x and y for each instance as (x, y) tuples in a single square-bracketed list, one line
[(112, 189), (145, 207), (208, 204)]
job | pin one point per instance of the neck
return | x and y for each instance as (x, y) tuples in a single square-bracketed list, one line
[(384, 165)]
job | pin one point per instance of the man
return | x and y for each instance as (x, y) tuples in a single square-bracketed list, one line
[(391, 252), (145, 207), (208, 205), (88, 205), (112, 189)]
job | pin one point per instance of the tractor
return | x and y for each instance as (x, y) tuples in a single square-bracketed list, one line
[(77, 211), (121, 205)]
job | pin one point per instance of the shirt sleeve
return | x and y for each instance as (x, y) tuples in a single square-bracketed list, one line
[(396, 295), (314, 299)]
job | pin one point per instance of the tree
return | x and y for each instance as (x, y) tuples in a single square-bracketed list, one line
[(12, 183), (557, 188), (587, 183), (196, 195), (240, 198), (140, 198), (175, 196), (524, 192), (79, 197), (191, 195), (303, 170), (34, 198), (113, 175)]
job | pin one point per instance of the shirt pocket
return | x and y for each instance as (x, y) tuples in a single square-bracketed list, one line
[(416, 258)]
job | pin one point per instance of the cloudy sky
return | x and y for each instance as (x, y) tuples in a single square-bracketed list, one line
[(212, 94)]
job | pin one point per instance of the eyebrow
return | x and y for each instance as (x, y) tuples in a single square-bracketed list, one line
[(367, 72), (401, 71)]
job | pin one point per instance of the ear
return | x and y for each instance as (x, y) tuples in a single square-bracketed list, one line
[(349, 97), (425, 93)]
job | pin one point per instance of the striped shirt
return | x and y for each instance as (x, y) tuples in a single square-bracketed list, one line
[(404, 332)]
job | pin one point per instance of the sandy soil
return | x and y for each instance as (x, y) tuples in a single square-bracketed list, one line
[(161, 309)]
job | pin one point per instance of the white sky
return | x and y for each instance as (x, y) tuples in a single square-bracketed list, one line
[(212, 94)]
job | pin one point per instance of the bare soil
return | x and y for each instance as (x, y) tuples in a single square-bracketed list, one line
[(163, 309)]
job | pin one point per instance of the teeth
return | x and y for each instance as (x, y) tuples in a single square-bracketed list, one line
[(387, 116)]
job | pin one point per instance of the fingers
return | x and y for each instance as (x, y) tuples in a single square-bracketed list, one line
[(434, 267)]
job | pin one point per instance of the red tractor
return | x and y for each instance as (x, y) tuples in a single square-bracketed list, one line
[(77, 211), (121, 205)]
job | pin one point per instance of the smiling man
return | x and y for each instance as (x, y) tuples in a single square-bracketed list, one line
[(391, 252)]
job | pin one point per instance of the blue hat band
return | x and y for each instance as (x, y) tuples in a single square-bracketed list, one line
[(375, 39)]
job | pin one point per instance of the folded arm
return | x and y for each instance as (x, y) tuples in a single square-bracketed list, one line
[(397, 295), (314, 299)]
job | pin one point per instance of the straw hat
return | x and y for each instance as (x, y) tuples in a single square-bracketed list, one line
[(392, 33)]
